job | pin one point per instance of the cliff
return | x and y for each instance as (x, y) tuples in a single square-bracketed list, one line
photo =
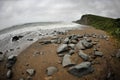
[(110, 25)]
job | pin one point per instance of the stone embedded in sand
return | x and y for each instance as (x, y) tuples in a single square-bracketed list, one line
[(98, 53), (9, 74), (51, 70), (66, 61), (31, 72), (118, 54), (62, 48), (83, 55), (21, 79), (81, 69), (79, 45)]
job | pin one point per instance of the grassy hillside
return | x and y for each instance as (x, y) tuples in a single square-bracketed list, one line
[(110, 25)]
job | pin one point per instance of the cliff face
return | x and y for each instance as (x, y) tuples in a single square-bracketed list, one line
[(108, 24)]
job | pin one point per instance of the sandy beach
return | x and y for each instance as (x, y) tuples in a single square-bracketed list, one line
[(47, 56)]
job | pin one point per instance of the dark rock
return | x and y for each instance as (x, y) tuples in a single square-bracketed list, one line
[(9, 74), (16, 38), (81, 69), (98, 53), (30, 39), (83, 55), (46, 41), (51, 70), (62, 48), (66, 61), (2, 56), (31, 72)]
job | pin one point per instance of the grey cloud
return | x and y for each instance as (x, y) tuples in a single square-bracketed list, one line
[(22, 11)]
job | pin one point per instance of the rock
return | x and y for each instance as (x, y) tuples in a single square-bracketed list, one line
[(87, 44), (66, 61), (83, 55), (62, 48), (36, 53), (98, 53), (54, 41), (31, 72), (81, 69), (61, 55), (48, 78), (80, 36), (72, 46), (88, 40), (21, 79), (12, 57), (51, 70), (2, 56), (71, 52), (47, 41), (73, 41), (30, 39), (9, 74), (16, 38), (29, 78), (11, 61), (79, 45), (118, 54), (66, 41)]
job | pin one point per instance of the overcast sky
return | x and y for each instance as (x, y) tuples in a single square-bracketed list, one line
[(22, 11)]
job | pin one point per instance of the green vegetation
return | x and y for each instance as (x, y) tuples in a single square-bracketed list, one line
[(110, 25)]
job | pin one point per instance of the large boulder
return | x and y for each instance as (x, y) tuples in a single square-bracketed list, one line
[(51, 70), (67, 61), (79, 45), (62, 48), (87, 44), (81, 69), (83, 55)]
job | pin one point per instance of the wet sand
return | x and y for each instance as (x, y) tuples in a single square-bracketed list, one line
[(49, 57)]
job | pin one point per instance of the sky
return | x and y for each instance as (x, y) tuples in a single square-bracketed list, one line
[(14, 12)]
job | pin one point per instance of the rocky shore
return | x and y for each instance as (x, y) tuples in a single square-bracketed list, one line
[(87, 54)]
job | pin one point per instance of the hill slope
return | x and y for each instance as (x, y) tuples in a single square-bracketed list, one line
[(108, 24)]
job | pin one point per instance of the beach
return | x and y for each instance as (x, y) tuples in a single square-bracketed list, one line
[(42, 53)]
